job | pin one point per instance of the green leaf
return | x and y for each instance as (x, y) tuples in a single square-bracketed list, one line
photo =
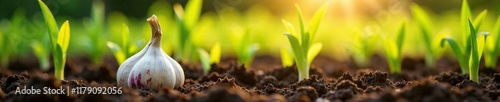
[(215, 53), (50, 21), (481, 40), (59, 61), (286, 57), (205, 60), (289, 27), (125, 39), (474, 59), (400, 37), (41, 52), (457, 50), (316, 20), (117, 52), (296, 48), (313, 51), (391, 49), (193, 10), (252, 49), (63, 36), (464, 14), (479, 20), (301, 21)]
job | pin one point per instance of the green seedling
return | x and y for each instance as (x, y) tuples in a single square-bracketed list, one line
[(12, 38), (187, 20), (362, 48), (393, 49), (95, 30), (427, 34), (469, 55), (303, 49), (59, 41), (212, 58), (492, 50), (42, 53), (245, 49), (121, 52), (286, 57), (464, 54)]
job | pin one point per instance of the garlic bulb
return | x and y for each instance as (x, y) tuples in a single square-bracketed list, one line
[(151, 67)]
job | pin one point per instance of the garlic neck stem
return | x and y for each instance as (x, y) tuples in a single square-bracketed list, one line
[(155, 30)]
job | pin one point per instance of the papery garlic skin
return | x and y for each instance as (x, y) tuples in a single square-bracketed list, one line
[(152, 71), (124, 69)]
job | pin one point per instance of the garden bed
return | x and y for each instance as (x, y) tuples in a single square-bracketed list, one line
[(330, 80)]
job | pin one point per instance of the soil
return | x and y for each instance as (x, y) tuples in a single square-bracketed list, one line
[(266, 81)]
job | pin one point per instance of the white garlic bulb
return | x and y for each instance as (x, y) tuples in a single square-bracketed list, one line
[(151, 67)]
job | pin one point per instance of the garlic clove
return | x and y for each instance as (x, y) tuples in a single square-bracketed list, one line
[(124, 70), (152, 71), (179, 72)]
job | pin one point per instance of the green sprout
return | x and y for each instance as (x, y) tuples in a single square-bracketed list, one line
[(469, 56), (121, 53), (212, 58), (42, 53), (187, 21), (303, 51), (362, 48), (425, 27), (493, 49), (286, 57), (95, 29), (469, 29), (59, 41), (393, 49), (11, 38), (245, 49)]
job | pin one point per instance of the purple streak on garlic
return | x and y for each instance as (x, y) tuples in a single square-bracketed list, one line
[(151, 67)]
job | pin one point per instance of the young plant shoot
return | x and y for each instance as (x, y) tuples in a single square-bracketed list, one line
[(245, 49), (426, 32), (464, 54), (303, 49), (59, 41), (187, 20), (212, 58), (95, 27), (469, 56), (286, 57), (362, 48), (393, 49), (492, 49), (121, 53), (151, 67)]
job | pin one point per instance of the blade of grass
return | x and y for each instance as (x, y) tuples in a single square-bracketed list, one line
[(313, 51), (205, 60), (479, 20), (193, 10), (316, 20), (41, 53), (50, 21), (215, 53), (117, 52), (286, 58), (474, 65)]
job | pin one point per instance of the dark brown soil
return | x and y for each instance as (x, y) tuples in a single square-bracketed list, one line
[(230, 82)]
